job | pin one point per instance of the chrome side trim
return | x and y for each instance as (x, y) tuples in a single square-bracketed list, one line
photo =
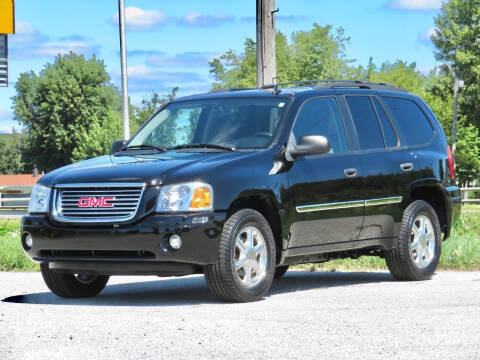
[(331, 206), (384, 201), (349, 204)]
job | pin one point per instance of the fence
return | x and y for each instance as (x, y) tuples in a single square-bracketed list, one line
[(13, 205), (465, 199)]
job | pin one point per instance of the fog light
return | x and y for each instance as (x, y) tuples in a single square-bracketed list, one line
[(175, 242), (29, 241)]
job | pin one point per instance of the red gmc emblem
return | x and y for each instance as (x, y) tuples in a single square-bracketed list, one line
[(91, 201)]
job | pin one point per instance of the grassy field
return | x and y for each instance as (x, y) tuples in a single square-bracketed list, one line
[(460, 252), (12, 257)]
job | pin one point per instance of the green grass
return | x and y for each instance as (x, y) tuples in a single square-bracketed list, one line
[(12, 257), (461, 252)]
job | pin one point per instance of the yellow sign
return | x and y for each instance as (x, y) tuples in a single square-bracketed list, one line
[(7, 17)]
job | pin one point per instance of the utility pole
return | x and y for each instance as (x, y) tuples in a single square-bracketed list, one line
[(266, 59), (123, 55), (456, 87)]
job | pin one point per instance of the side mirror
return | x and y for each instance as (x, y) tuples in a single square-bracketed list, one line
[(117, 146), (310, 145)]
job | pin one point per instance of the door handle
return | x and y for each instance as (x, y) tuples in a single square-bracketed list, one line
[(350, 172), (406, 167)]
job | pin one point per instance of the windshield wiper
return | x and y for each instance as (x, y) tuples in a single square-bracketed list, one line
[(145, 146), (207, 146)]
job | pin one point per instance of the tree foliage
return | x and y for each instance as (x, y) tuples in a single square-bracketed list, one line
[(149, 106), (315, 54), (65, 109), (457, 42), (10, 160)]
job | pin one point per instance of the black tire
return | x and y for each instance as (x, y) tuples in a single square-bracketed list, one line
[(400, 261), (71, 286), (280, 271), (222, 278)]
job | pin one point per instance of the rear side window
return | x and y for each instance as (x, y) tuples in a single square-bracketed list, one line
[(411, 120), (366, 122), (320, 116), (388, 132)]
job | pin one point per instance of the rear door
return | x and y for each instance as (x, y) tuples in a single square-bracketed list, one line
[(326, 190), (388, 168)]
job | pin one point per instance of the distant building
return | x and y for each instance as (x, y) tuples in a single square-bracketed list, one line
[(12, 187), (18, 184)]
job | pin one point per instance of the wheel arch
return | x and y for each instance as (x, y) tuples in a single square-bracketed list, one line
[(432, 192), (266, 203)]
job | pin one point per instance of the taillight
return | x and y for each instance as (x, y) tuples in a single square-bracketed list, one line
[(450, 163)]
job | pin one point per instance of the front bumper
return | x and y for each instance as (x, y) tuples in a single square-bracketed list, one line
[(135, 248)]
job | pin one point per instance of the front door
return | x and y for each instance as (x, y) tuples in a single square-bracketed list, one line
[(326, 190)]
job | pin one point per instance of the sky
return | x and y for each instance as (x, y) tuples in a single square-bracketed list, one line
[(171, 42)]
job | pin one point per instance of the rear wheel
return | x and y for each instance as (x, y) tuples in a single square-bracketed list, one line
[(245, 267), (73, 285), (419, 244)]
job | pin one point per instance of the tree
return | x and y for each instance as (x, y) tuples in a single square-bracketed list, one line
[(457, 40), (10, 159), (314, 54), (148, 107), (65, 109)]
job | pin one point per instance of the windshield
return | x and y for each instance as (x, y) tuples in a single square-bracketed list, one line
[(240, 123)]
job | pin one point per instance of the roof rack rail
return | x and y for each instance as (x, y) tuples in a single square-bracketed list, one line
[(335, 84), (230, 89)]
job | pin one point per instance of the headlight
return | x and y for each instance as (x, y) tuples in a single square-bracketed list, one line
[(39, 199), (194, 196)]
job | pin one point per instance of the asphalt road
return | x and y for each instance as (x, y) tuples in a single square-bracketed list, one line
[(305, 316)]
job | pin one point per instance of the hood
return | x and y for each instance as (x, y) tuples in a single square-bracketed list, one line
[(150, 169)]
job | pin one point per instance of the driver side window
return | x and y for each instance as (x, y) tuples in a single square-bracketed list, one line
[(321, 116)]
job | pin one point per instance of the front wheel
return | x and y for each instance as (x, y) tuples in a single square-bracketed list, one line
[(72, 285), (246, 261), (419, 244)]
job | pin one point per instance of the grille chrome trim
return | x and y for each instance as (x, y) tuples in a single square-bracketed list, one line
[(65, 196)]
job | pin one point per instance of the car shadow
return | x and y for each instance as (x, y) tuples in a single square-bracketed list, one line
[(193, 290)]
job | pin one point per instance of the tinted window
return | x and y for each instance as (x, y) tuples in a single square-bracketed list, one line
[(366, 122), (241, 122), (388, 132), (411, 120), (321, 117)]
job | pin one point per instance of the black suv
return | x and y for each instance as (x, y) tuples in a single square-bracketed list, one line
[(240, 184)]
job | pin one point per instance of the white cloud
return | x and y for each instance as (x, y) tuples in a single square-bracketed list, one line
[(144, 79), (187, 59), (55, 48), (426, 36), (51, 49), (205, 20), (139, 19), (28, 42), (26, 34), (416, 4), (6, 130)]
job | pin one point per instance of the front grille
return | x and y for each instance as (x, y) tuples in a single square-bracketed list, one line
[(97, 202), (106, 254)]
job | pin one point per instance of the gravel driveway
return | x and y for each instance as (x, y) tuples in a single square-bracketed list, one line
[(305, 316)]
